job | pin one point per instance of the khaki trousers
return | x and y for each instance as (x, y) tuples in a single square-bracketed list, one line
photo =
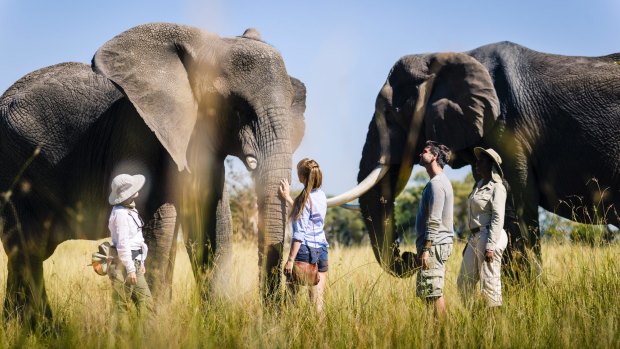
[(124, 294), (474, 268)]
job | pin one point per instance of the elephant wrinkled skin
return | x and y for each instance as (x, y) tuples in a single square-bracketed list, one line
[(165, 100), (553, 119)]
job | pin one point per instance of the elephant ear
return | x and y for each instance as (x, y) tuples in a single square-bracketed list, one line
[(298, 107), (149, 63), (462, 100)]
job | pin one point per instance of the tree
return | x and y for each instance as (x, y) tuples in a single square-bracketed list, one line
[(344, 226)]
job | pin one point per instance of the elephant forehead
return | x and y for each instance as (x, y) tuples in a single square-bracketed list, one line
[(246, 55), (409, 69)]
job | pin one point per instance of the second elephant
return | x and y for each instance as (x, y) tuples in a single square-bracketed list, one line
[(553, 119)]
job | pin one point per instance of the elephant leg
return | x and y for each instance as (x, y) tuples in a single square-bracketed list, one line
[(524, 252), (159, 236), (197, 245), (530, 230), (25, 298), (27, 244), (223, 243), (514, 249), (173, 256), (209, 231)]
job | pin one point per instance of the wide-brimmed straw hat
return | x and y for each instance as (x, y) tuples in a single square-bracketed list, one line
[(496, 159), (125, 186)]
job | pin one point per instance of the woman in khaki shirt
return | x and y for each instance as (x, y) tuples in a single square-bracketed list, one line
[(482, 257)]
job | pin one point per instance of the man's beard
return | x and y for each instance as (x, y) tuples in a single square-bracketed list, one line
[(423, 162)]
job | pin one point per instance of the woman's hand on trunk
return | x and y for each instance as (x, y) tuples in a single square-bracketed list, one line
[(285, 191)]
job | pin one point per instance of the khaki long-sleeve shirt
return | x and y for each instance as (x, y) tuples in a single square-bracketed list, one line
[(486, 207)]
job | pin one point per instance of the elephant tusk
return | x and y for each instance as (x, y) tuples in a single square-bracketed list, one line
[(251, 162), (352, 207), (373, 178)]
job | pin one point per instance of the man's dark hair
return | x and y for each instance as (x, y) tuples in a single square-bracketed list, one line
[(441, 151)]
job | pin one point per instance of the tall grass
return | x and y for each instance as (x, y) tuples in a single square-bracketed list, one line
[(575, 304)]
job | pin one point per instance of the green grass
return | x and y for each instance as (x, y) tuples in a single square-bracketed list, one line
[(575, 304)]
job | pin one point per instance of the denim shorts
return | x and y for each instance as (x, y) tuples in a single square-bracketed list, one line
[(310, 255)]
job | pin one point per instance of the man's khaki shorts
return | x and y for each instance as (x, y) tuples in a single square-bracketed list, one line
[(430, 282)]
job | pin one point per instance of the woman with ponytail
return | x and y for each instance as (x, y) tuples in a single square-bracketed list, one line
[(308, 215)]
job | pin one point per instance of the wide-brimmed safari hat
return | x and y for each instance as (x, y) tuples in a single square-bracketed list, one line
[(496, 159), (125, 186)]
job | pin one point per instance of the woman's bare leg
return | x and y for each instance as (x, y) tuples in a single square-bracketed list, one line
[(317, 292)]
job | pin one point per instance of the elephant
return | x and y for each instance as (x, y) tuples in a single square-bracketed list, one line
[(166, 100), (552, 118)]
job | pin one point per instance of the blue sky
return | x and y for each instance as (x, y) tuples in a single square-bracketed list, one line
[(341, 50)]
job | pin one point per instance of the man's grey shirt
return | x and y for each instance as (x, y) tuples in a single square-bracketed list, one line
[(434, 220)]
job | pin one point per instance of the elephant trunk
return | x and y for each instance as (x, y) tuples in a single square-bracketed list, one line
[(274, 164), (377, 207), (271, 209), (377, 204)]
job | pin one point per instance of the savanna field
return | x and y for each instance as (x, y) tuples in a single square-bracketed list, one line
[(575, 304)]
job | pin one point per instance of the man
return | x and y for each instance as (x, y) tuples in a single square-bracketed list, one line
[(434, 226)]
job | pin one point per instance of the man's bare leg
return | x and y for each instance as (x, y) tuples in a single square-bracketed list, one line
[(440, 307)]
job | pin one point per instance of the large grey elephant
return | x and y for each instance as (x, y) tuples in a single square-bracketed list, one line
[(553, 119), (169, 101)]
